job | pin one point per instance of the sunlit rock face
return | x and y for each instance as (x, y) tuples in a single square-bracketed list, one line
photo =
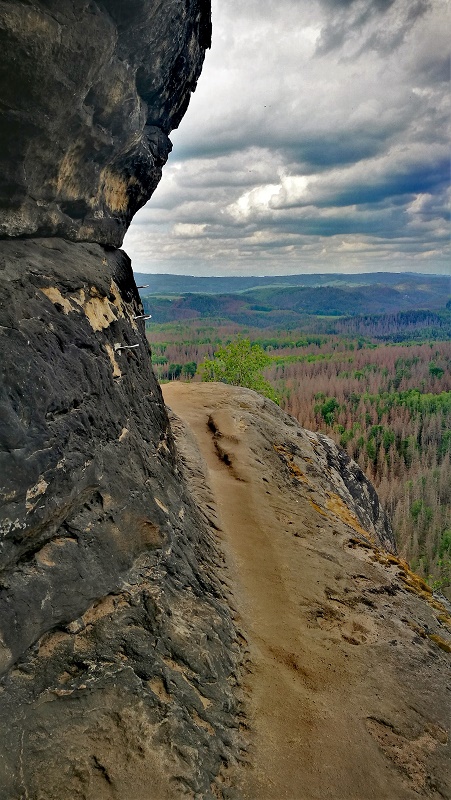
[(90, 92)]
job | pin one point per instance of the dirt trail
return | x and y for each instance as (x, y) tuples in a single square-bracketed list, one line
[(327, 685)]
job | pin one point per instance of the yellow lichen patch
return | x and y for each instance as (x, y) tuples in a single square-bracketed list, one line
[(417, 629), (114, 189), (100, 313), (34, 492), (336, 505), (394, 560), (116, 369), (413, 583), (444, 645), (444, 619), (318, 508), (291, 464), (55, 296), (412, 580), (362, 543)]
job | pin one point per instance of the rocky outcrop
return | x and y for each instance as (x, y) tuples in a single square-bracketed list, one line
[(115, 634), (344, 681), (116, 639), (89, 93)]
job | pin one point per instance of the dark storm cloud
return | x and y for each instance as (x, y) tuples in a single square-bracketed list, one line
[(334, 148), (369, 25), (318, 138)]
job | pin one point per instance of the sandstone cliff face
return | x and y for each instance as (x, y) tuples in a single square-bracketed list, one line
[(107, 570), (90, 92), (125, 649), (116, 639)]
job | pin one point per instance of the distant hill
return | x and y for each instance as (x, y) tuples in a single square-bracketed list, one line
[(436, 286), (289, 306)]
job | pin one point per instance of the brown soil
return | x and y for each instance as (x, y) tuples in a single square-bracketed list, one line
[(344, 695)]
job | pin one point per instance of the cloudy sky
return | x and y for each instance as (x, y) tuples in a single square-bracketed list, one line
[(317, 141)]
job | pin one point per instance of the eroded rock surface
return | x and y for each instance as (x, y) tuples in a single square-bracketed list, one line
[(89, 93), (116, 637), (118, 652), (191, 619)]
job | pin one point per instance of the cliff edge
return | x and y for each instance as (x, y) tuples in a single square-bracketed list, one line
[(346, 652)]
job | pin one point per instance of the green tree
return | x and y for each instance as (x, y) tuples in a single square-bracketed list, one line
[(327, 409), (435, 371), (189, 369), (174, 371), (416, 509), (240, 364)]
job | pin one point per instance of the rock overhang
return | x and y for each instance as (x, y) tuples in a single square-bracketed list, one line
[(90, 92)]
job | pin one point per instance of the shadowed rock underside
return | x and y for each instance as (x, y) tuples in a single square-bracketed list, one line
[(89, 93)]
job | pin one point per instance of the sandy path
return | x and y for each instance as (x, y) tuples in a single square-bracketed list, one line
[(313, 687)]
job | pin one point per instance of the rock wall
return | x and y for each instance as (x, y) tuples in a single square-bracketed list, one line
[(89, 93), (116, 636)]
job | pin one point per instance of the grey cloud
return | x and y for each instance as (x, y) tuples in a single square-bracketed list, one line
[(435, 69), (370, 25), (360, 133), (379, 5), (336, 148)]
